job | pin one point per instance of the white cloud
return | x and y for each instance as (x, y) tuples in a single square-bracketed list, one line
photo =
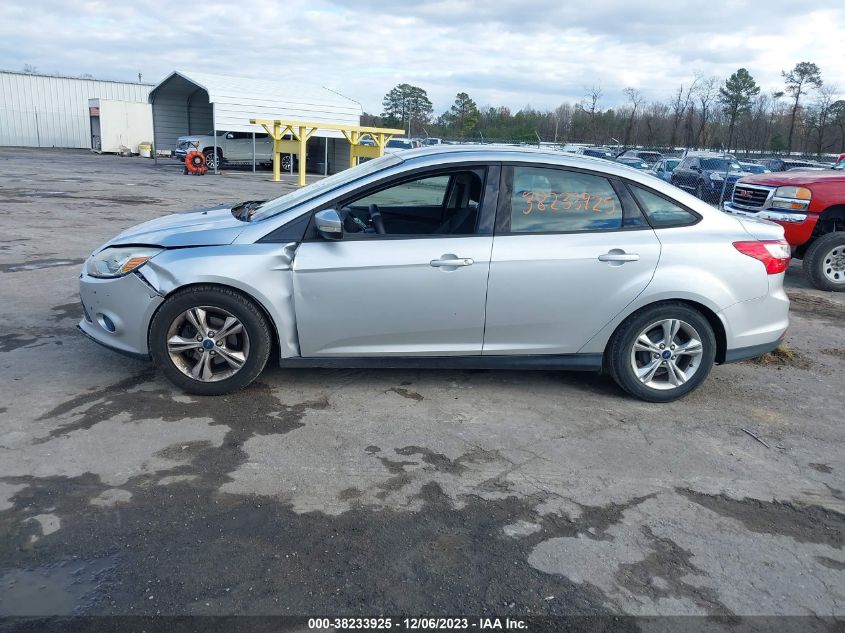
[(504, 53)]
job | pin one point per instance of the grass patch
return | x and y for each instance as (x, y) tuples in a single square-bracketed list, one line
[(783, 356)]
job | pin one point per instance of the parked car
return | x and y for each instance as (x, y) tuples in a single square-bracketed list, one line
[(663, 168), (785, 164), (395, 263), (754, 168), (232, 147), (644, 155), (432, 141), (596, 152), (810, 206), (709, 176), (399, 144), (636, 163)]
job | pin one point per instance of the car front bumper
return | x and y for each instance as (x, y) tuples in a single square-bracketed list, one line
[(797, 226), (781, 217), (117, 312)]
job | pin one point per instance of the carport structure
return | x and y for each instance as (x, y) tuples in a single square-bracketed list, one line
[(301, 131), (203, 103)]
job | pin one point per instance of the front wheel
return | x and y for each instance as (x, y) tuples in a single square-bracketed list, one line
[(662, 353), (824, 262), (213, 161), (210, 340)]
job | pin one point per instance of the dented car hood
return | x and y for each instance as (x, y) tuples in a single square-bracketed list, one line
[(211, 226)]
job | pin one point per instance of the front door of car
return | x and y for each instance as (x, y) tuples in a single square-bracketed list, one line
[(686, 174), (239, 146), (418, 287), (571, 250)]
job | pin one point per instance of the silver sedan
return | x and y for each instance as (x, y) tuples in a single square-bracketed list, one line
[(448, 256)]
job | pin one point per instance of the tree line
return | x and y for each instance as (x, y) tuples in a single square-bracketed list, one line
[(733, 114)]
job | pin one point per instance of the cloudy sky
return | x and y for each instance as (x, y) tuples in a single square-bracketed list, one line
[(539, 52)]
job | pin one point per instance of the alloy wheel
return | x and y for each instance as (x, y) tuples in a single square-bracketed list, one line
[(207, 343), (666, 354)]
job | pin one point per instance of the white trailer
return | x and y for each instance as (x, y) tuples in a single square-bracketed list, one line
[(119, 125)]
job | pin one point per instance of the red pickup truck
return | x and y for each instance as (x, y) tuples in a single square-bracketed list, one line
[(810, 205)]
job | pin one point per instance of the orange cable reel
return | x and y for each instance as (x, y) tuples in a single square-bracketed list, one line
[(195, 163)]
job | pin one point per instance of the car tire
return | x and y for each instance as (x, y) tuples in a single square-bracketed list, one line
[(285, 162), (629, 367), (230, 362), (824, 262), (209, 159)]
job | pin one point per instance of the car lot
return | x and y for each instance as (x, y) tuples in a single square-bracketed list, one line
[(384, 491)]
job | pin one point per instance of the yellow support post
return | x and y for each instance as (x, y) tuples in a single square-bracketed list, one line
[(277, 159), (301, 131)]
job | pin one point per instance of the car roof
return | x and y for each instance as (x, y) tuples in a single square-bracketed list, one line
[(445, 154)]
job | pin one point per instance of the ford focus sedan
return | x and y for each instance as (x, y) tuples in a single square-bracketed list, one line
[(447, 256)]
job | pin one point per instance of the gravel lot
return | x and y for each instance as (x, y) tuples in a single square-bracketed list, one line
[(384, 491)]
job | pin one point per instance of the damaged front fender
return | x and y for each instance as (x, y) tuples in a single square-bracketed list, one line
[(261, 271)]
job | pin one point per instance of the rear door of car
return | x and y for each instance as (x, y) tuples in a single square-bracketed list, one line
[(571, 250)]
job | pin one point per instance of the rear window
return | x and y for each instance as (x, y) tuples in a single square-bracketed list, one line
[(548, 200), (662, 212)]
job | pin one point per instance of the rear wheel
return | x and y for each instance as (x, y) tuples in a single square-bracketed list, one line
[(210, 340), (824, 262), (285, 162), (662, 353)]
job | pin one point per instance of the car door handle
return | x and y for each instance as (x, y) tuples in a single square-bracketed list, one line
[(447, 261), (619, 257)]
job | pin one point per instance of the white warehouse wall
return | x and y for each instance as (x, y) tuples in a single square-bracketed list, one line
[(48, 111)]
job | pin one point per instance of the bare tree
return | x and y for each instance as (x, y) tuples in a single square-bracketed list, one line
[(679, 104), (592, 97), (822, 116), (636, 99), (707, 92)]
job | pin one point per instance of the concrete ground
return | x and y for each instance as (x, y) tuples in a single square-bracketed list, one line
[(383, 491)]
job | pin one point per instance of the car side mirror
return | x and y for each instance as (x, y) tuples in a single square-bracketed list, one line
[(329, 225), (230, 136)]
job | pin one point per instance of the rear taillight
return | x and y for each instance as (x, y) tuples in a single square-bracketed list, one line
[(774, 254)]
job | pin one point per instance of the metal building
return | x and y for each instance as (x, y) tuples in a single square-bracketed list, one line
[(52, 111), (203, 103)]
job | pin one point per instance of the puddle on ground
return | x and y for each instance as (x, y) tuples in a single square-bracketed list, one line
[(54, 589)]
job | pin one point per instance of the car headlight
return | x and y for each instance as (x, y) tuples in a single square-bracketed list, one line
[(119, 261), (793, 198), (715, 176)]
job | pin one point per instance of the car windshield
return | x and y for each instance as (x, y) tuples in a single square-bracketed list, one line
[(298, 196), (720, 164), (672, 163), (754, 169)]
